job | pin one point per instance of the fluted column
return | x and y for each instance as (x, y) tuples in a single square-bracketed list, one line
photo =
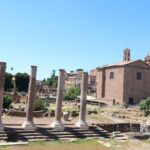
[(29, 124), (84, 88), (57, 124), (2, 82)]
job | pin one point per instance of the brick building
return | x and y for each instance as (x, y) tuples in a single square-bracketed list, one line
[(125, 83)]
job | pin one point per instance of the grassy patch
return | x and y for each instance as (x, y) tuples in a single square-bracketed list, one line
[(60, 145), (99, 118), (83, 145), (70, 108)]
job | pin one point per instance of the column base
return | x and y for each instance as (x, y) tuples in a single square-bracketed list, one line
[(29, 125), (1, 126), (82, 124), (57, 125)]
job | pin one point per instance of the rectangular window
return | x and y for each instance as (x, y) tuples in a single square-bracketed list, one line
[(138, 76), (111, 75)]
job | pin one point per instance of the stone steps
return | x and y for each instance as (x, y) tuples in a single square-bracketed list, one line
[(47, 134), (58, 136), (3, 136), (50, 133), (117, 135)]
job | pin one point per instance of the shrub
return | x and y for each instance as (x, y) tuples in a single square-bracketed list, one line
[(7, 102), (145, 105), (72, 93), (38, 105)]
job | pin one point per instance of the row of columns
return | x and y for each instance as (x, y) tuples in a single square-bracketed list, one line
[(57, 123)]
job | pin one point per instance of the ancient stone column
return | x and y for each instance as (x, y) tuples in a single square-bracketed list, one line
[(29, 124), (2, 81), (84, 88), (103, 83), (57, 124)]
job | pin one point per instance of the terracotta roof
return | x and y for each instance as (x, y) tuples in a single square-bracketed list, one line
[(119, 64)]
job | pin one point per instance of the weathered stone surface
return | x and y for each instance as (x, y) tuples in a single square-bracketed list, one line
[(84, 88), (145, 127), (18, 113), (57, 124), (2, 82), (82, 124), (29, 124), (66, 116)]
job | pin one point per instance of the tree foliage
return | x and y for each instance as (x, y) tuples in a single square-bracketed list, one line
[(145, 105), (72, 93), (22, 81), (52, 81), (7, 102), (8, 82)]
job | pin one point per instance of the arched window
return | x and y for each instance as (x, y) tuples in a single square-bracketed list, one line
[(138, 76)]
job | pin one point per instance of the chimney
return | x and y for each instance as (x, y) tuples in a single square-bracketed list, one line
[(126, 56)]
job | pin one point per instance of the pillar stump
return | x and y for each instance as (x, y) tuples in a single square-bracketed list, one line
[(2, 82), (82, 116), (57, 124), (29, 124)]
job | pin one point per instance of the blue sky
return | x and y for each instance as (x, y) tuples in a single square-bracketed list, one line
[(71, 34)]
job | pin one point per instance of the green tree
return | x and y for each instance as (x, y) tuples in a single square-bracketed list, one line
[(72, 93), (7, 102), (22, 81), (52, 81), (8, 82), (145, 105)]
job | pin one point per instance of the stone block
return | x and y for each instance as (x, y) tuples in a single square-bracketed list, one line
[(57, 126), (29, 125)]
